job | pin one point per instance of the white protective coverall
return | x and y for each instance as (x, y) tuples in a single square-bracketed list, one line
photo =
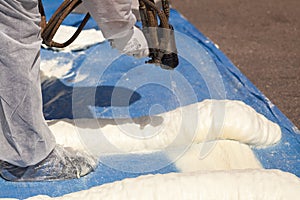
[(25, 138)]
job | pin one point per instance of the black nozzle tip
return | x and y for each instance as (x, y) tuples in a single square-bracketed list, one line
[(169, 61)]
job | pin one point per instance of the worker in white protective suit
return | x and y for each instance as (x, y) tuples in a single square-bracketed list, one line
[(28, 150)]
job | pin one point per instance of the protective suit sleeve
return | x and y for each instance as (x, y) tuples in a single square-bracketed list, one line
[(114, 17)]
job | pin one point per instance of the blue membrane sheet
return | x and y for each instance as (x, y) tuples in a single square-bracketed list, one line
[(103, 83)]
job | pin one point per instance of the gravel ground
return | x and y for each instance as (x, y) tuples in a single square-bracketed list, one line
[(261, 37)]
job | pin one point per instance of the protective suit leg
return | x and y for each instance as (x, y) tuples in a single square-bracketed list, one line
[(28, 151), (25, 138)]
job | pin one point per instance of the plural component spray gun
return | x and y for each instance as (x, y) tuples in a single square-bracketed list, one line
[(160, 36)]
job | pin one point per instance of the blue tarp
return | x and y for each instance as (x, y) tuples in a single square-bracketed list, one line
[(103, 83)]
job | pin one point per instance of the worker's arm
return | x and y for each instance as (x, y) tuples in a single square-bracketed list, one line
[(116, 21)]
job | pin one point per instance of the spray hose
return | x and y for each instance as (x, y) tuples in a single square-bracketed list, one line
[(49, 29)]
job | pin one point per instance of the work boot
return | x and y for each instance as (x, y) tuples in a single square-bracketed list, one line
[(61, 163)]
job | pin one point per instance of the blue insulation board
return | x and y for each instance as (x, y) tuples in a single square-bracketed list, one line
[(103, 83)]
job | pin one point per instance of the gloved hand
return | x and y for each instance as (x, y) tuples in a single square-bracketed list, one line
[(133, 44)]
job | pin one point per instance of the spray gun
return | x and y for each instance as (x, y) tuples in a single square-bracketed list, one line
[(160, 37)]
